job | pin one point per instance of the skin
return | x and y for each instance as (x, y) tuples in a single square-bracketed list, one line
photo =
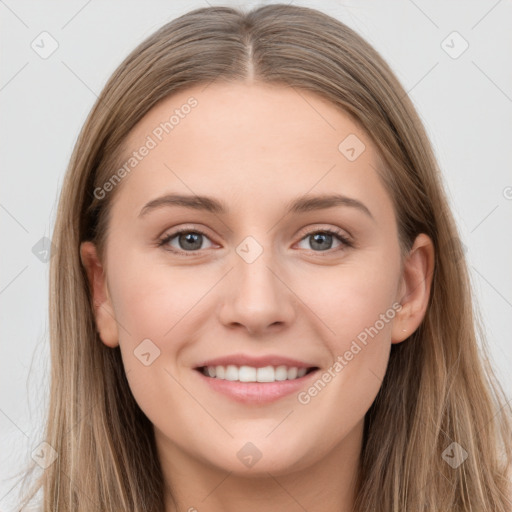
[(255, 147)]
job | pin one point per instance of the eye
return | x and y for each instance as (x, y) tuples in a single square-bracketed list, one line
[(321, 240), (188, 241)]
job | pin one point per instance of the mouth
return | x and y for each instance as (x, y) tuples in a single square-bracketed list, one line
[(256, 386), (244, 373)]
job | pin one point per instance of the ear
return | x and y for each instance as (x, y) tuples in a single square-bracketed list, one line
[(414, 290), (103, 310)]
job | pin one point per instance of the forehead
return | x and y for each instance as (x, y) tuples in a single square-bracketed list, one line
[(241, 117), (248, 141)]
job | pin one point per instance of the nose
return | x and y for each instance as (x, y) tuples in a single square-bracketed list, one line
[(256, 297)]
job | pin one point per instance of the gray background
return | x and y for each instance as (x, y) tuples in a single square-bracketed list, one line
[(465, 103)]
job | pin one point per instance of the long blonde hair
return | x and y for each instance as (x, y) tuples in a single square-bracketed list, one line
[(439, 387)]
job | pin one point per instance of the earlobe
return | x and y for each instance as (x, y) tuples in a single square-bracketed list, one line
[(103, 309), (415, 288)]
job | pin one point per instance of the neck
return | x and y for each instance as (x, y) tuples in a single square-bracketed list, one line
[(326, 486)]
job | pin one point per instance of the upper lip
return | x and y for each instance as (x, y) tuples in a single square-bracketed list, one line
[(256, 362)]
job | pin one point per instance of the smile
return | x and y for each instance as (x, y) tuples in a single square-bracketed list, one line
[(252, 374), (262, 385)]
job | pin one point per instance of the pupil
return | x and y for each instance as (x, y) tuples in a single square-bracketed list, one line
[(191, 238), (322, 237)]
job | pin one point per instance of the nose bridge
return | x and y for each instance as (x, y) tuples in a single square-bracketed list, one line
[(257, 284), (255, 278), (257, 297)]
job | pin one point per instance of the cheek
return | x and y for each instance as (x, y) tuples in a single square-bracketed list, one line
[(344, 391), (155, 307), (352, 297), (358, 304), (151, 298)]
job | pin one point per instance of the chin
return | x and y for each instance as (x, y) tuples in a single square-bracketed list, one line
[(258, 459)]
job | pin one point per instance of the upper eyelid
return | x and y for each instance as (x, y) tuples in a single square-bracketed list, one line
[(305, 232), (171, 233)]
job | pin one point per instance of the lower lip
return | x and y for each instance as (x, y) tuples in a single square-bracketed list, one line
[(256, 392)]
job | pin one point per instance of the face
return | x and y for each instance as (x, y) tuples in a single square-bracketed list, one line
[(261, 283)]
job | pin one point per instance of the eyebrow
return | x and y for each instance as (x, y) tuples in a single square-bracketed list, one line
[(209, 204)]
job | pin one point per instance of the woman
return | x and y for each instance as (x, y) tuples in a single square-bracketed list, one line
[(257, 368)]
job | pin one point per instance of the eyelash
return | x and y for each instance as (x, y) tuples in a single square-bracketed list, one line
[(337, 234)]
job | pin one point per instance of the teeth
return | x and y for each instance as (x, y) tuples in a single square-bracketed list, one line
[(301, 372), (231, 373), (247, 374), (251, 374), (281, 373), (265, 374)]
